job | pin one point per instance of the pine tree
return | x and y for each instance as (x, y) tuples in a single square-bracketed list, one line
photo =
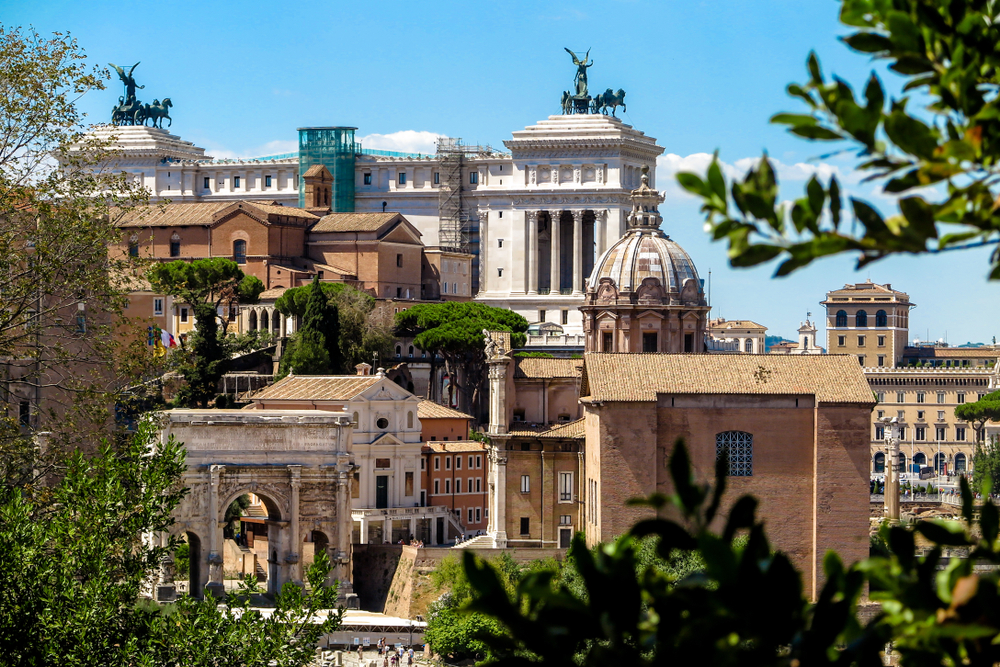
[(309, 353), (209, 361)]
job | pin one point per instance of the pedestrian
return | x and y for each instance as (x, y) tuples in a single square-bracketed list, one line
[(361, 655)]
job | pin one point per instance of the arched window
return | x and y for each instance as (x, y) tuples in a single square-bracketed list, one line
[(960, 462), (748, 345), (805, 343), (276, 322), (919, 459), (901, 462), (240, 251), (841, 318), (133, 246), (879, 466), (354, 419), (409, 419), (252, 321), (881, 320), (739, 446), (175, 245), (411, 352), (399, 350), (861, 319), (939, 462)]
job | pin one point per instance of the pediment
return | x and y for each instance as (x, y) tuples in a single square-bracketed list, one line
[(387, 439), (648, 314), (402, 233), (607, 315), (385, 390)]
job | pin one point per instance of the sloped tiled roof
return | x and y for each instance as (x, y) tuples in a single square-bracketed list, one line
[(640, 377), (532, 367), (273, 293), (952, 352), (573, 429), (431, 410), (353, 222), (454, 446), (316, 388), (202, 214), (736, 324)]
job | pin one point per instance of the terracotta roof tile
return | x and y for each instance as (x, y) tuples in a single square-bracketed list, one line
[(573, 429), (454, 446), (431, 410), (353, 222), (735, 324), (537, 367), (640, 377), (316, 388), (952, 352), (201, 214)]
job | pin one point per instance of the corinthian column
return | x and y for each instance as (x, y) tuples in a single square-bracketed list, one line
[(554, 234), (214, 585), (531, 261), (295, 473), (577, 252)]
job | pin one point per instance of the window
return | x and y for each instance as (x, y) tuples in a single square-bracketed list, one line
[(841, 341), (861, 319), (525, 525), (399, 259), (900, 396), (607, 342), (902, 433), (458, 485), (158, 306), (960, 433), (411, 352), (880, 319), (408, 484), (447, 486), (805, 342), (184, 314), (423, 463), (444, 287), (649, 341), (473, 177), (236, 182), (437, 487), (565, 520), (133, 247), (437, 178), (479, 461), (240, 251), (175, 246), (479, 514), (470, 515), (960, 462), (919, 433), (940, 397), (748, 346), (454, 288), (402, 178), (880, 414), (267, 181), (960, 397), (541, 315), (525, 484), (399, 292), (689, 342), (368, 178), (479, 484), (409, 415), (920, 414), (565, 487), (861, 341), (738, 446), (939, 433), (354, 419), (447, 463), (880, 433), (881, 360), (81, 323), (499, 243), (900, 415), (861, 359), (841, 318), (458, 463), (206, 183), (881, 341), (470, 461), (500, 273), (879, 466), (920, 397), (564, 316), (24, 413), (382, 423)]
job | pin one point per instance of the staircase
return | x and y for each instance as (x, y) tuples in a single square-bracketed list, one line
[(478, 542), (260, 572)]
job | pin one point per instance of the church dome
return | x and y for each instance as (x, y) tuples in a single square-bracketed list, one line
[(645, 253), (641, 254)]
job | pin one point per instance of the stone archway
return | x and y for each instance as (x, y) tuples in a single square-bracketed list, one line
[(300, 465)]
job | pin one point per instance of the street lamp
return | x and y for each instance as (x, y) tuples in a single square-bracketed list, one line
[(890, 428)]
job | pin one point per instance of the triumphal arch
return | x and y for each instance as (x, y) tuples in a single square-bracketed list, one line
[(298, 463)]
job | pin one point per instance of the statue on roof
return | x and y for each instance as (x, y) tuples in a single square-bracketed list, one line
[(581, 72), (128, 80), (131, 111)]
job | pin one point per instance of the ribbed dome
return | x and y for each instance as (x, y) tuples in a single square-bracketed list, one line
[(644, 253)]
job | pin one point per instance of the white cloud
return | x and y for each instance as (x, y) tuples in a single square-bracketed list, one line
[(405, 141), (270, 148)]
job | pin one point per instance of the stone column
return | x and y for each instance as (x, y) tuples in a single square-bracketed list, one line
[(364, 531), (434, 530), (295, 571), (344, 526), (214, 584), (497, 372), (413, 528), (577, 252), (498, 497), (601, 232), (531, 261), (891, 491), (554, 233), (387, 530)]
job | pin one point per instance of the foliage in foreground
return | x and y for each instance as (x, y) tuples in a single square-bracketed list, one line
[(949, 57), (74, 567), (746, 606)]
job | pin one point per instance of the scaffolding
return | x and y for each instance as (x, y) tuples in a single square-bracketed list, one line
[(456, 227), (335, 148)]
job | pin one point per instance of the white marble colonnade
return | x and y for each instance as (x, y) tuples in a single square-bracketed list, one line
[(577, 254)]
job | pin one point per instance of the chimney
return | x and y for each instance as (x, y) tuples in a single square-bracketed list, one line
[(363, 368)]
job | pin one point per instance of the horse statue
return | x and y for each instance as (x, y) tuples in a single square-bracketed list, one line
[(567, 103), (612, 100), (124, 113), (597, 104), (156, 112)]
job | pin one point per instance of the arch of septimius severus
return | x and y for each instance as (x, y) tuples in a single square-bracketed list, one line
[(298, 463)]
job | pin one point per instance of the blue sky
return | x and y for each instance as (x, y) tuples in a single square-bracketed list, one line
[(699, 76)]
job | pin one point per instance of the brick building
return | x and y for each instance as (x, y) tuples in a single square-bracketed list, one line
[(455, 477), (441, 423)]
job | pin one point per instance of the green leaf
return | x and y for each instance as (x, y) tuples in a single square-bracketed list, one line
[(693, 183), (903, 33), (942, 534), (812, 62), (910, 134), (867, 42), (920, 215), (755, 254), (912, 65), (715, 179), (815, 132), (835, 202), (793, 119)]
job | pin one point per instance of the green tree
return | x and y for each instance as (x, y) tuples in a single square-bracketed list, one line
[(315, 347), (979, 412), (205, 284), (364, 329), (948, 56), (234, 513), (746, 605), (454, 330), (986, 463)]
